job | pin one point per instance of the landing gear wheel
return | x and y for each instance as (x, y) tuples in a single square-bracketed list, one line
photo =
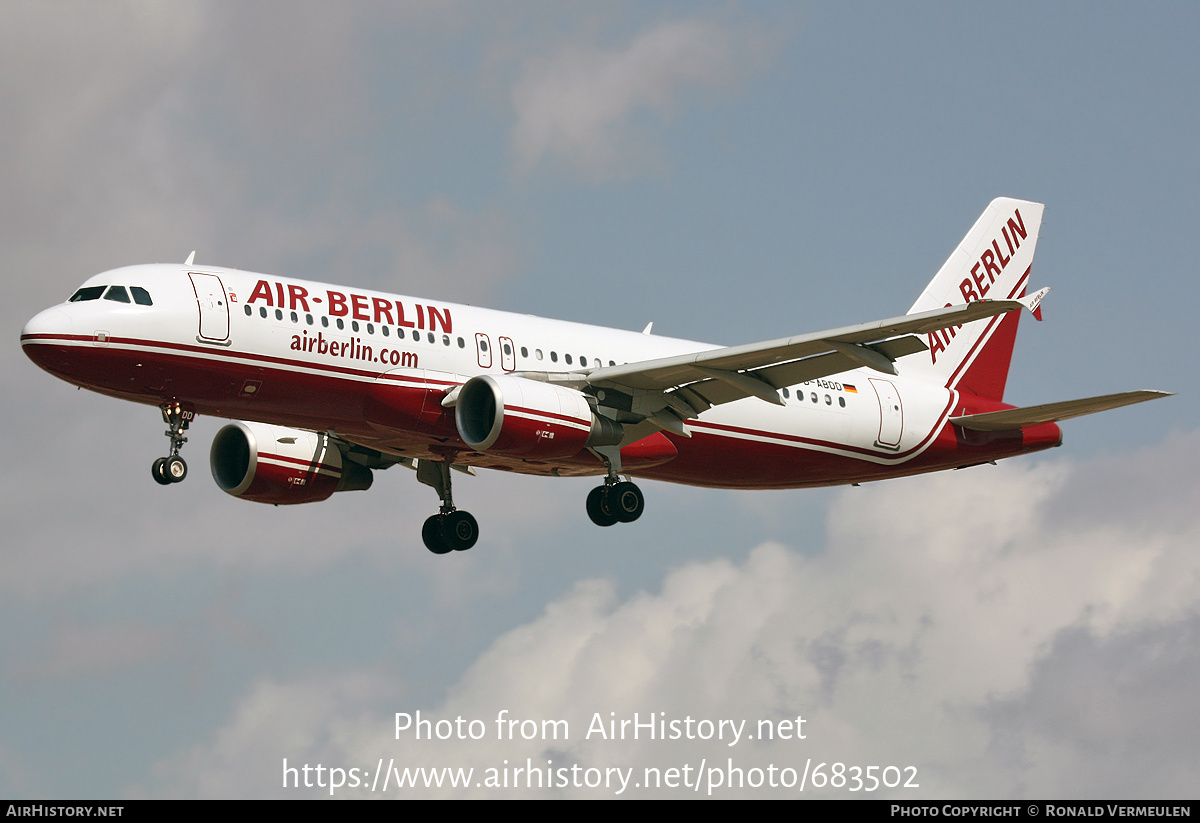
[(597, 507), (174, 469), (459, 530), (431, 533), (625, 501), (160, 476)]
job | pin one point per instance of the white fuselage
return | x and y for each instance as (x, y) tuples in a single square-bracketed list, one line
[(373, 368)]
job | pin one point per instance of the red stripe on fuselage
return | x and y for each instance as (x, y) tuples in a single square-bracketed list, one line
[(321, 396)]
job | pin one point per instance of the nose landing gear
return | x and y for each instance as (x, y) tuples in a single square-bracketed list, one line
[(173, 468)]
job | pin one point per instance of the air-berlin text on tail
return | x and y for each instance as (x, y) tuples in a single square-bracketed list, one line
[(992, 262), (370, 309)]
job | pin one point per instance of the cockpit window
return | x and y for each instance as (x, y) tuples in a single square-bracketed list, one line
[(141, 296), (117, 293), (87, 293)]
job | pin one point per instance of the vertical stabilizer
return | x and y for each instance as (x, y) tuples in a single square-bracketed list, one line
[(992, 261)]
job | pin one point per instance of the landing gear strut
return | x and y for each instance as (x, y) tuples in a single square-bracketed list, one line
[(172, 468), (617, 501), (450, 529)]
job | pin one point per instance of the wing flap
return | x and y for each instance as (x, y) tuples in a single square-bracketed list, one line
[(1023, 418)]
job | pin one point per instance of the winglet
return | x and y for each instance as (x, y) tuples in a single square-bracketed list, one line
[(191, 257), (1033, 302)]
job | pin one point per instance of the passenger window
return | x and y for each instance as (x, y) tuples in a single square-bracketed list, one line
[(341, 325), (89, 293), (370, 328), (262, 311), (842, 402), (117, 294), (386, 331), (279, 314), (432, 339), (524, 352), (445, 340), (537, 353), (141, 296), (553, 357), (567, 357), (324, 321), (462, 343), (249, 311)]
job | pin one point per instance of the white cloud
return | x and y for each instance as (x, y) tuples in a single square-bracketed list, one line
[(960, 623), (587, 105)]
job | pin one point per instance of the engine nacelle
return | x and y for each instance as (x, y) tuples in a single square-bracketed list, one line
[(273, 464), (519, 417)]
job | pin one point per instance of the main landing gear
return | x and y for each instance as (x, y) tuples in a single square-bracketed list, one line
[(172, 468), (450, 529), (617, 501)]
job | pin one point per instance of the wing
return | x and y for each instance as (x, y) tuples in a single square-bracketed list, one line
[(1023, 418), (669, 390)]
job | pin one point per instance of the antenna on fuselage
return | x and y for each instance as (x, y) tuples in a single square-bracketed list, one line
[(191, 257), (649, 326)]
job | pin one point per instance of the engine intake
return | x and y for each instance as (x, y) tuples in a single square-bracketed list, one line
[(519, 417), (273, 464)]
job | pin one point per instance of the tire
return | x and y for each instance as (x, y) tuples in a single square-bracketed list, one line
[(626, 502), (459, 530), (432, 535), (598, 509), (157, 471)]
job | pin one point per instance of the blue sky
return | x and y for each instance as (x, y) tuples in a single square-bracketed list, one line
[(732, 172)]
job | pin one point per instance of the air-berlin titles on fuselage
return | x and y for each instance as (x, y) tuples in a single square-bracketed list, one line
[(354, 306), (380, 310), (992, 262)]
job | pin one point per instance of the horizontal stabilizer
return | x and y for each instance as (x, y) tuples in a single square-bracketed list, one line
[(1010, 419)]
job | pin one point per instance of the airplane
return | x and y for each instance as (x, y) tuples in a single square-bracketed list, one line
[(327, 384)]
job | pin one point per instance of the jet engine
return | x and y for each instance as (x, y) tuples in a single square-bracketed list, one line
[(519, 417), (273, 464)]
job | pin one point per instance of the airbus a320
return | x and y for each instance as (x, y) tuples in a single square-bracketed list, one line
[(327, 384)]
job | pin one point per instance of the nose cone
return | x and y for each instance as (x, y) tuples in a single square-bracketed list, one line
[(52, 322), (43, 336)]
